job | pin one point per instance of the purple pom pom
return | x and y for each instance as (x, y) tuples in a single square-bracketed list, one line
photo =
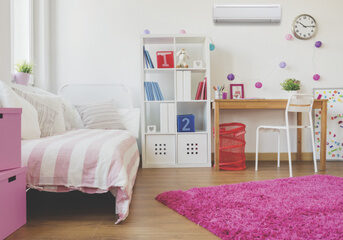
[(282, 65), (316, 77), (230, 77), (318, 44), (146, 31), (258, 85)]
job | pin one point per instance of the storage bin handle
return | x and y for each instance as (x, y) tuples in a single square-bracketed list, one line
[(12, 179), (1, 116)]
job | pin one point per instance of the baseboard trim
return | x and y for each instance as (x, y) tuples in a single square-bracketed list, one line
[(271, 156)]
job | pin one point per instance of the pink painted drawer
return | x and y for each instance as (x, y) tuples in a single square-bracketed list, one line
[(10, 138), (12, 200)]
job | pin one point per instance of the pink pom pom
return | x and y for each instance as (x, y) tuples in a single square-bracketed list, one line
[(288, 37), (258, 85), (182, 31), (316, 77)]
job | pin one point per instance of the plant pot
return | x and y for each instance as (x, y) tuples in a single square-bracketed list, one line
[(22, 78), (290, 93)]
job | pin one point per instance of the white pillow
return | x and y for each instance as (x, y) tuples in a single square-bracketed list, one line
[(131, 119), (72, 119), (50, 112), (100, 116), (29, 118)]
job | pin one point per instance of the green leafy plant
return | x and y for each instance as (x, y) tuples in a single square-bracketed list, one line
[(24, 67), (291, 84)]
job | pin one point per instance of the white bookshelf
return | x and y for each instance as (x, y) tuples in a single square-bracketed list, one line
[(176, 149)]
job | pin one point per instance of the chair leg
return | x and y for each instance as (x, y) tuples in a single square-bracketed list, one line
[(257, 143), (278, 149), (313, 144), (289, 153)]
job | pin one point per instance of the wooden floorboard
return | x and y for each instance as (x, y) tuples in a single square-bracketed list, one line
[(75, 215)]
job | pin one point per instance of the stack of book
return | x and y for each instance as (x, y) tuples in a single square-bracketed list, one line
[(167, 118), (201, 93), (153, 91), (147, 59), (183, 85)]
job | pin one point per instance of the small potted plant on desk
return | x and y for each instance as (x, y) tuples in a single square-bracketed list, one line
[(291, 85), (24, 71)]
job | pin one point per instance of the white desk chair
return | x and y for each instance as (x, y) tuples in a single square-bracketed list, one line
[(296, 103)]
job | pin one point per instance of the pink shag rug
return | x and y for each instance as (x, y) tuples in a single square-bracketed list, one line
[(309, 207)]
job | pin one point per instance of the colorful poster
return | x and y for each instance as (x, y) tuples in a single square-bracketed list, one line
[(334, 123)]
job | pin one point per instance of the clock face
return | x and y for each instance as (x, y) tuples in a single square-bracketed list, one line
[(304, 27)]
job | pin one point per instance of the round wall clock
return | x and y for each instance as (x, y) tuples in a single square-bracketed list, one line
[(304, 27)]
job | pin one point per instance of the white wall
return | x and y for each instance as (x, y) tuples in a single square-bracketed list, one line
[(98, 41), (5, 40)]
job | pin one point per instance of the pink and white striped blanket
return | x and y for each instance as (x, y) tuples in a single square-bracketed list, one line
[(88, 160)]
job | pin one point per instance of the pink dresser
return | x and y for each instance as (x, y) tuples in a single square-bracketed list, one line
[(12, 200), (12, 175), (10, 138)]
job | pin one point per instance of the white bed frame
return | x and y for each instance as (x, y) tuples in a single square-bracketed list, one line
[(88, 93), (79, 93)]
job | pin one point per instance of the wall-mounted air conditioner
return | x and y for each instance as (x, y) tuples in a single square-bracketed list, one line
[(247, 13)]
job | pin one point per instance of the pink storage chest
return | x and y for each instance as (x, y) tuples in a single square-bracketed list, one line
[(12, 200), (10, 138)]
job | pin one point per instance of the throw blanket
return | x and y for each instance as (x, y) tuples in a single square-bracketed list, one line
[(88, 160)]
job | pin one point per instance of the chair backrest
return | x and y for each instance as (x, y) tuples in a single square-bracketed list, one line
[(300, 103)]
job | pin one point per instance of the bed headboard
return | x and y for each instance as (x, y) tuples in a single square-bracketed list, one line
[(79, 94)]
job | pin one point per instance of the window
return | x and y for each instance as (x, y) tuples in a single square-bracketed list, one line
[(22, 37)]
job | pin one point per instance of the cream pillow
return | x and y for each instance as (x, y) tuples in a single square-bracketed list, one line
[(29, 118), (72, 119), (50, 112), (100, 116)]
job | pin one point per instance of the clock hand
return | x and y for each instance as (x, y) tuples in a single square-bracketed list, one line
[(303, 25)]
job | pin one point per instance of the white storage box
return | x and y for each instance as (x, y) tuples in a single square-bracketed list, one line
[(192, 148), (160, 149)]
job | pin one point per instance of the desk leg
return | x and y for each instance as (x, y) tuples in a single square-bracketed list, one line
[(216, 135), (323, 132), (299, 136)]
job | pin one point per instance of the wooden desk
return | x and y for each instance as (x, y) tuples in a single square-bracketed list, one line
[(271, 104)]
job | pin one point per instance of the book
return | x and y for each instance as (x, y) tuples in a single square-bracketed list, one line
[(171, 118), (159, 91), (187, 75), (202, 96), (149, 59), (164, 127), (205, 89), (153, 91), (198, 93), (179, 86)]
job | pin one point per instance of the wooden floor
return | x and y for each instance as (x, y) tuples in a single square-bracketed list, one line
[(80, 216)]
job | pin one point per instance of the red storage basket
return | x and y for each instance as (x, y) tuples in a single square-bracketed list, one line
[(232, 146)]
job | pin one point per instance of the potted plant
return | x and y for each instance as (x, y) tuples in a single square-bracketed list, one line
[(24, 71), (291, 85)]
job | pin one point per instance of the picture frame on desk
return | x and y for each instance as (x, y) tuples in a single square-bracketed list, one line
[(236, 91)]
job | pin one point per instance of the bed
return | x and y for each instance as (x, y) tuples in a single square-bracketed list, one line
[(87, 160)]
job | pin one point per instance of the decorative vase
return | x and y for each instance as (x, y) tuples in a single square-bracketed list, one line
[(22, 78)]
